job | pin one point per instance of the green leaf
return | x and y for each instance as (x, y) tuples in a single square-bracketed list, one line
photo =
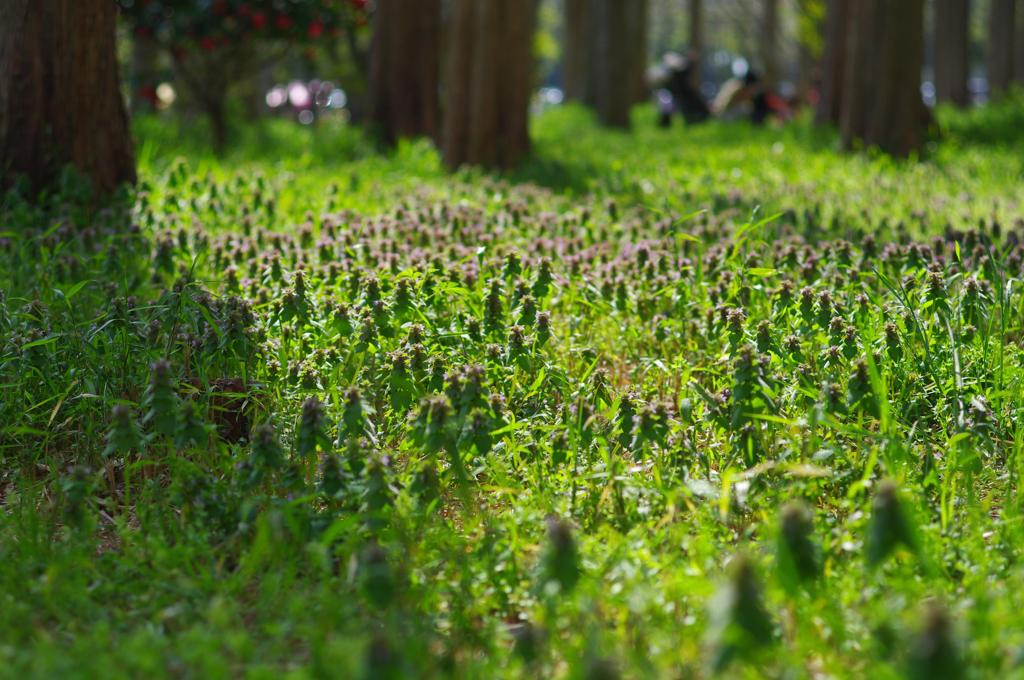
[(50, 339)]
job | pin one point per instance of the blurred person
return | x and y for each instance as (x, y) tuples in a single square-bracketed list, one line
[(677, 94), (747, 97)]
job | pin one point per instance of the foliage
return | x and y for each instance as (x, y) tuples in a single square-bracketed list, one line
[(208, 24), (708, 406)]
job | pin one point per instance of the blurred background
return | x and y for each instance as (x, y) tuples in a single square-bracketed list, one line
[(216, 65)]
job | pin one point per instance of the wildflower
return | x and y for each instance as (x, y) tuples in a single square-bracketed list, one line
[(191, 429), (527, 640), (889, 527), (123, 436), (560, 564), (382, 660), (160, 400), (934, 653), (376, 577), (739, 623), (312, 429), (798, 556)]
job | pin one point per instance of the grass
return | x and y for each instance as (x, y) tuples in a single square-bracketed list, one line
[(660, 404)]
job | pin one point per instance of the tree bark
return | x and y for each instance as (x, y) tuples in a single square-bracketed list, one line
[(575, 49), (1019, 45), (1018, 64), (636, 31), (609, 66), (605, 63), (1001, 28), (897, 122), (770, 43), (696, 51), (60, 100), (858, 70), (488, 83), (952, 26), (405, 68), (616, 36), (833, 62), (882, 104)]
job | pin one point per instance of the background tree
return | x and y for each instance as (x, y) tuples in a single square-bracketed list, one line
[(488, 82), (1000, 56), (769, 43), (833, 63), (881, 102), (575, 49), (606, 56), (1018, 64), (696, 47), (405, 68), (60, 99), (952, 45), (810, 27)]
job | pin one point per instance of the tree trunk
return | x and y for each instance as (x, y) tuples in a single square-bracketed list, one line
[(60, 101), (833, 62), (1018, 64), (696, 51), (404, 69), (617, 35), (575, 49), (488, 83), (952, 26), (1001, 28), (635, 30), (605, 61), (858, 71), (882, 100), (898, 120), (216, 113), (770, 43)]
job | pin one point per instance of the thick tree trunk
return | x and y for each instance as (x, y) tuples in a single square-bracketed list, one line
[(859, 70), (1018, 64), (216, 113), (952, 27), (60, 101), (897, 123), (616, 41), (576, 49), (770, 43), (405, 68), (833, 62), (882, 99), (696, 51), (1001, 28), (636, 32), (488, 82), (610, 63), (605, 62)]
